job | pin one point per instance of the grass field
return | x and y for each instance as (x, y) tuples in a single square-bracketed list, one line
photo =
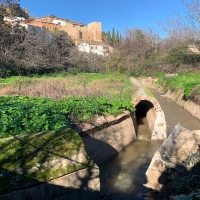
[(64, 85)]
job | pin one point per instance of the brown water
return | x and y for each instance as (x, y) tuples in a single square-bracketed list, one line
[(123, 176)]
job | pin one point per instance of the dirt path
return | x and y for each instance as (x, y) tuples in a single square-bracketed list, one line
[(139, 90)]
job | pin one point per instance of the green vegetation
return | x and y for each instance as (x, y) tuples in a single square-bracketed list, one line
[(42, 95), (182, 55), (79, 78), (147, 91), (113, 40), (27, 114), (20, 115), (39, 157), (16, 10), (186, 82)]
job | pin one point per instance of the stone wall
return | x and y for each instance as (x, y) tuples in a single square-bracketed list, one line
[(76, 30), (151, 118)]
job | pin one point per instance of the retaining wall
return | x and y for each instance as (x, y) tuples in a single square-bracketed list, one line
[(106, 136), (176, 96)]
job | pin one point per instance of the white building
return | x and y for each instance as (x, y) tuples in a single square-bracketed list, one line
[(57, 21), (29, 27), (97, 48), (14, 19)]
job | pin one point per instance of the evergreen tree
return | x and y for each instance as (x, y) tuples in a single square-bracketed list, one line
[(109, 38), (17, 11), (113, 38), (117, 38), (120, 39), (104, 37)]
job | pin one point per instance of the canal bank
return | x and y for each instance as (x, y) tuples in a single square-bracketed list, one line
[(123, 174)]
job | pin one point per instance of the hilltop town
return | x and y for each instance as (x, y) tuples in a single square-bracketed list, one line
[(88, 37)]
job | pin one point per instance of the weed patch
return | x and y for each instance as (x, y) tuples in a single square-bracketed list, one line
[(20, 115), (187, 82)]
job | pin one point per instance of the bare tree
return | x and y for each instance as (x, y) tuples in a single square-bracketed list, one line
[(193, 17), (177, 32), (22, 49)]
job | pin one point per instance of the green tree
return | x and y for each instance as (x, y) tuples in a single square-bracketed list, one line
[(113, 38), (109, 38), (120, 39), (104, 37), (17, 11), (117, 38)]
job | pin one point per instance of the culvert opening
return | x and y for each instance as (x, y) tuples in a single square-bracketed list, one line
[(144, 117)]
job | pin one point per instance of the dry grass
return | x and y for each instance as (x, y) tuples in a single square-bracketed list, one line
[(63, 87)]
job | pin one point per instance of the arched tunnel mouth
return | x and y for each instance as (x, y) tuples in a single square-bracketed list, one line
[(143, 122), (142, 108)]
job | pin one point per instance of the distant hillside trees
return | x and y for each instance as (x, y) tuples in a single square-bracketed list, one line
[(12, 8), (17, 11), (137, 46), (113, 39)]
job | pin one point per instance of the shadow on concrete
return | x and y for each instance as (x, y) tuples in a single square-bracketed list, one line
[(57, 190), (98, 150)]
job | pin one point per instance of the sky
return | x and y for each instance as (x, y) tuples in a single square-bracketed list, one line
[(120, 14)]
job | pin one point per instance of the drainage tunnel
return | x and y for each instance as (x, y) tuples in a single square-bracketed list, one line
[(142, 108), (144, 117), (148, 111)]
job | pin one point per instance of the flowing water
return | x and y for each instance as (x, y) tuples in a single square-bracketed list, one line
[(123, 176)]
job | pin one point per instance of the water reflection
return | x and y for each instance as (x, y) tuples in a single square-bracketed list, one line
[(123, 176)]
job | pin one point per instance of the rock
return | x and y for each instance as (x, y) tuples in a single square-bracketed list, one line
[(154, 172), (180, 145)]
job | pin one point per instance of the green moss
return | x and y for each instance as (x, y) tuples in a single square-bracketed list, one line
[(146, 90), (29, 159)]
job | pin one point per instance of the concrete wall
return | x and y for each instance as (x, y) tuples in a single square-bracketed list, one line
[(41, 24), (190, 106), (101, 49), (109, 137)]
